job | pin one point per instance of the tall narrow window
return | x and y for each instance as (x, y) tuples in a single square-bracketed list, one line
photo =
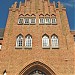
[(19, 41), (28, 41), (42, 20), (45, 41), (20, 21), (54, 41)]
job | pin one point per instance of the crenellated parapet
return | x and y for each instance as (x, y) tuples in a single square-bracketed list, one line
[(37, 6)]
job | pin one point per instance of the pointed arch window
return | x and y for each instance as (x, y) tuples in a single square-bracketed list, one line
[(0, 45), (37, 72), (4, 73), (54, 41), (28, 41), (74, 38), (19, 41), (45, 41)]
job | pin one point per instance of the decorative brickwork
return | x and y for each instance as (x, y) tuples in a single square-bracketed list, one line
[(51, 61)]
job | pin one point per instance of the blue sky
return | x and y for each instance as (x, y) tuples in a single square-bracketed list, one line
[(69, 4)]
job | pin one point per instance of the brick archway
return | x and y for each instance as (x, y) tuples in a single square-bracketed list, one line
[(37, 66)]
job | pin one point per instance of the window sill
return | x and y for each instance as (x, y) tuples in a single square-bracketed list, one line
[(26, 23), (18, 47), (32, 23), (20, 24), (46, 47), (27, 47), (41, 23), (48, 23), (54, 23), (55, 47)]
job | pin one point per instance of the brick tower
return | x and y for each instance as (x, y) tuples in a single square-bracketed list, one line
[(37, 40)]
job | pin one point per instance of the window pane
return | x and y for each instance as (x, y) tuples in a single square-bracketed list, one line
[(41, 21), (33, 20), (28, 41), (53, 20), (26, 21), (45, 41), (37, 72), (20, 21), (54, 42), (47, 20), (19, 42)]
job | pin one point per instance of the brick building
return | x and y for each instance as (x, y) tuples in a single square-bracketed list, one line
[(37, 40)]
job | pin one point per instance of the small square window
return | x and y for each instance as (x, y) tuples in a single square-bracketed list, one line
[(26, 21), (47, 20), (20, 21), (41, 20), (32, 20), (53, 20)]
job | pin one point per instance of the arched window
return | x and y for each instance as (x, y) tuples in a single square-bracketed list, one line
[(74, 37), (37, 72), (28, 41), (19, 41), (54, 41), (0, 45), (45, 41), (4, 73)]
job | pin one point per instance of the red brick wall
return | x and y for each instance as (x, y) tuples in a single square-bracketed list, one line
[(61, 60)]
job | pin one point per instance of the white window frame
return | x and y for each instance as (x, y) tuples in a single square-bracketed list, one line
[(74, 38), (19, 40), (53, 20), (28, 42), (54, 42), (33, 20), (20, 20), (47, 20), (0, 46), (45, 40), (25, 21), (41, 20)]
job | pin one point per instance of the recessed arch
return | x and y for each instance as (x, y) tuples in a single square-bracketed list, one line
[(27, 15), (54, 35), (41, 15), (28, 35), (53, 15), (37, 66), (19, 35), (45, 35), (21, 15), (47, 15), (33, 15)]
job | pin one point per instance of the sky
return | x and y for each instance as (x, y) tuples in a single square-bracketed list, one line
[(6, 4)]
